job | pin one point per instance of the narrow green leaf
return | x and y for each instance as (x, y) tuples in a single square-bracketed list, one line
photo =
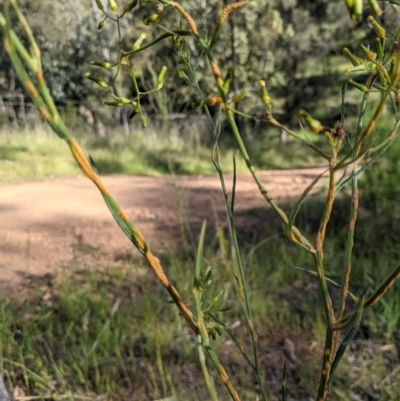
[(381, 290), (233, 184), (327, 279), (344, 344), (199, 256), (92, 163), (283, 386), (350, 320)]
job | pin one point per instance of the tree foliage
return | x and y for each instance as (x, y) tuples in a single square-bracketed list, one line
[(281, 42)]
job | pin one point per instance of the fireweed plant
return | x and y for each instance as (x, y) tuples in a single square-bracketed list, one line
[(350, 151)]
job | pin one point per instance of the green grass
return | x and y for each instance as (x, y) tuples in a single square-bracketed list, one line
[(115, 332), (39, 154)]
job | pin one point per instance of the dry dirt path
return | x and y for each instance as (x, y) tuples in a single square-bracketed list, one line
[(64, 223)]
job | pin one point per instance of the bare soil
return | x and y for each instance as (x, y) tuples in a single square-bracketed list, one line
[(58, 224)]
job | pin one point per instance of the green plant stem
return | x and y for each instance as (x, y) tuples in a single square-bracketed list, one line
[(330, 341), (277, 124), (349, 247), (330, 337), (243, 288), (203, 337), (206, 374), (319, 243), (383, 288), (257, 180), (178, 32)]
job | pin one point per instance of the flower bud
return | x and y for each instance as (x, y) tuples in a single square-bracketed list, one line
[(375, 7), (160, 78), (134, 111), (98, 81), (138, 43), (227, 81), (380, 31), (101, 24), (353, 59), (238, 98), (357, 10), (102, 64), (368, 54), (99, 5), (362, 88), (212, 101), (314, 125), (264, 93), (153, 19), (143, 121), (130, 6), (113, 5)]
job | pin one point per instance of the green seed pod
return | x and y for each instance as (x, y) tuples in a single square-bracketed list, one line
[(133, 113), (353, 59), (368, 54), (113, 5), (124, 100), (160, 78), (100, 5), (113, 104), (238, 98), (153, 19), (395, 70), (98, 81), (227, 81), (358, 68), (362, 88), (314, 125), (357, 10), (264, 93), (375, 7), (143, 121), (138, 43), (130, 6), (101, 24), (102, 64), (380, 31)]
